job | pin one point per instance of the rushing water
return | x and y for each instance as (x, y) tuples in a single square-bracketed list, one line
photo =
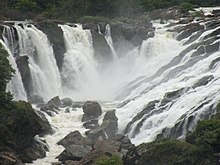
[(155, 72)]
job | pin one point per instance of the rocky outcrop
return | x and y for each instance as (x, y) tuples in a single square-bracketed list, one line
[(19, 125), (55, 36), (92, 110)]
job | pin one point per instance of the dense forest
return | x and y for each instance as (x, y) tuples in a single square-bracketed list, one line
[(73, 9)]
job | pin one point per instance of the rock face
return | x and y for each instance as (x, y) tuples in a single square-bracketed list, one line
[(55, 35), (19, 125), (74, 138), (110, 124)]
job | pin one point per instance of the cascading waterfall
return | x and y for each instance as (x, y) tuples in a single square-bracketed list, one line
[(44, 71), (15, 86), (108, 38), (79, 67), (157, 88)]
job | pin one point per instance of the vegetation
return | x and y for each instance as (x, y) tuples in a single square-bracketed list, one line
[(5, 76), (106, 160), (74, 9)]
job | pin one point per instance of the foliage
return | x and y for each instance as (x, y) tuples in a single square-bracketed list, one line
[(105, 160), (5, 76), (186, 6), (92, 19)]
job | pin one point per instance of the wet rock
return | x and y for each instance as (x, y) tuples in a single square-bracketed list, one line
[(10, 158), (50, 109), (66, 102), (35, 151), (118, 145), (74, 152), (96, 134), (22, 63), (203, 81), (214, 63), (55, 35), (77, 105), (199, 51), (91, 110), (67, 110), (110, 123), (90, 124), (55, 101), (36, 99), (74, 138)]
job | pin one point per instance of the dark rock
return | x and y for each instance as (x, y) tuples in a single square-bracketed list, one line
[(199, 51), (19, 126), (90, 124), (35, 151), (110, 123), (46, 125), (203, 81), (77, 105), (55, 101), (118, 146), (96, 134), (193, 27), (74, 152), (214, 63), (10, 158), (86, 118), (22, 63), (55, 35), (50, 109), (74, 138), (102, 50), (66, 102), (35, 99), (67, 110), (92, 110)]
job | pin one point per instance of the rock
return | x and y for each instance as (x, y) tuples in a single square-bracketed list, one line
[(55, 101), (50, 109), (10, 158), (66, 102), (118, 146), (55, 35), (74, 152), (36, 99), (22, 63), (92, 110), (19, 126), (77, 105), (110, 123), (203, 81), (67, 110), (47, 129), (74, 138), (96, 134), (90, 124), (35, 151)]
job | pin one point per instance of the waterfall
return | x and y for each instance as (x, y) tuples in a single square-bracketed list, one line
[(108, 38), (79, 68), (172, 96), (44, 71), (15, 86)]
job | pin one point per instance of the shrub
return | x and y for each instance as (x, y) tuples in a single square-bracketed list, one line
[(105, 160)]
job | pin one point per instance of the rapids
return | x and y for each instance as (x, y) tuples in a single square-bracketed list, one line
[(155, 88)]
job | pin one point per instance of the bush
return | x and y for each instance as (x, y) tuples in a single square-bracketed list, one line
[(105, 160), (186, 6)]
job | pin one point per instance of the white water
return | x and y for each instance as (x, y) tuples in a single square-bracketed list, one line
[(81, 80), (44, 71), (15, 86)]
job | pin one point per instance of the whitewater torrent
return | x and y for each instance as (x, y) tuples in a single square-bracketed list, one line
[(15, 86), (44, 71), (154, 77)]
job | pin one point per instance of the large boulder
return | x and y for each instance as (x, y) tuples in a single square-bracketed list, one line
[(74, 138), (110, 123), (74, 152), (91, 110), (66, 102)]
